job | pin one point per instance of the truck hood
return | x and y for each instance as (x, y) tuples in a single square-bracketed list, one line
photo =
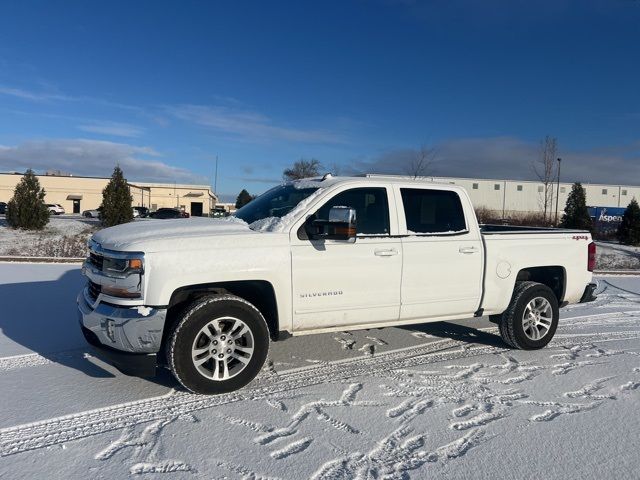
[(152, 235)]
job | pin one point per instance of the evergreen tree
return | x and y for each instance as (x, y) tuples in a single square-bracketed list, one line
[(243, 198), (629, 229), (576, 214), (116, 200), (27, 209)]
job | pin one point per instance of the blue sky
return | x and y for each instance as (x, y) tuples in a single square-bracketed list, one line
[(164, 87)]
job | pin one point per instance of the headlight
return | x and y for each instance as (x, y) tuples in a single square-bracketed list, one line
[(122, 265)]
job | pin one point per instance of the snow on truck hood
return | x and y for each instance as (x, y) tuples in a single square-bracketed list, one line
[(124, 237), (141, 231)]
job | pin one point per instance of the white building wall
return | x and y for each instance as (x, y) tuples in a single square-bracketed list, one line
[(528, 196)]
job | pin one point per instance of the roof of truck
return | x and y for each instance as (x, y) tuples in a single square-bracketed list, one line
[(329, 180)]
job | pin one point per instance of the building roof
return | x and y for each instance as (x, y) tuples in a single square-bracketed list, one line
[(61, 176), (439, 178)]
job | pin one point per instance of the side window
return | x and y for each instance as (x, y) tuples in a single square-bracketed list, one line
[(432, 211), (372, 209)]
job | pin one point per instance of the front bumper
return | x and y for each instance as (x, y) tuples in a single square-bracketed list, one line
[(133, 364), (127, 337), (588, 295)]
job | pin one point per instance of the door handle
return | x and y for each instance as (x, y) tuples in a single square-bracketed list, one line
[(467, 250), (385, 253)]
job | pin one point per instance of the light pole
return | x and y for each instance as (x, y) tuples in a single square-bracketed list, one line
[(215, 178), (558, 190)]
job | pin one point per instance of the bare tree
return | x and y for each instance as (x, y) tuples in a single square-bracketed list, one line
[(303, 168), (421, 162), (545, 169), (336, 169)]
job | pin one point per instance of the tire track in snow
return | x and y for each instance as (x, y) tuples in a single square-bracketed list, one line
[(54, 431), (36, 359), (291, 449)]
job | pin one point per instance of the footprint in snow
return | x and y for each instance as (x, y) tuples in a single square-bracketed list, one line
[(368, 349), (347, 344), (377, 341)]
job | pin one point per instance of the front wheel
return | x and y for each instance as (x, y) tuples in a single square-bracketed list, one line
[(531, 319), (218, 345)]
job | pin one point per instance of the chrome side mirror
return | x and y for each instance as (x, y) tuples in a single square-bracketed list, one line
[(341, 225)]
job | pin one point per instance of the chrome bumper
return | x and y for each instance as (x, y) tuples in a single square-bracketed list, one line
[(128, 329)]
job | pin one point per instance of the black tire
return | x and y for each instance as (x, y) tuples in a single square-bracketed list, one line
[(510, 322), (187, 328)]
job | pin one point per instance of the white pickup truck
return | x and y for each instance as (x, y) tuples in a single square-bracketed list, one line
[(205, 296)]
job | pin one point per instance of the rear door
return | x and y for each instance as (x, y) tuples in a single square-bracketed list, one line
[(442, 254), (336, 283)]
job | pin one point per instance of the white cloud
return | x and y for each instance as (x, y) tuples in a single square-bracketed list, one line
[(113, 128), (93, 158), (32, 95), (248, 125)]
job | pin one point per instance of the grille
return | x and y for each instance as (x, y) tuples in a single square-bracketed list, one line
[(96, 260), (94, 290)]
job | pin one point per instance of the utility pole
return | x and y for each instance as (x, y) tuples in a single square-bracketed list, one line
[(558, 189), (504, 198), (215, 178)]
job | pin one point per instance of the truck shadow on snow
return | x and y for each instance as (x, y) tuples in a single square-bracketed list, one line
[(462, 333), (42, 317)]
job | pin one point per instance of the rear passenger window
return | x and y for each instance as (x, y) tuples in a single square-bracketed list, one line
[(432, 211)]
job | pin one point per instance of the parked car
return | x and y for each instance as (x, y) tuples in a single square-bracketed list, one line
[(136, 213), (165, 213), (3, 208), (218, 212), (55, 208), (319, 256), (143, 212), (93, 213)]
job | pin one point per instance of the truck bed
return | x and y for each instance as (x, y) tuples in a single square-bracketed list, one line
[(493, 229)]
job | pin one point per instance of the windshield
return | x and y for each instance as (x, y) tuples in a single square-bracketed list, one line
[(276, 202)]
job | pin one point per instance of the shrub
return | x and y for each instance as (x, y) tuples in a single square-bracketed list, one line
[(576, 214), (485, 215), (68, 246), (525, 219), (116, 200), (26, 209), (629, 229)]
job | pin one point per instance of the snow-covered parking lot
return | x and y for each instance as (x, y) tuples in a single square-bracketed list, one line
[(437, 400)]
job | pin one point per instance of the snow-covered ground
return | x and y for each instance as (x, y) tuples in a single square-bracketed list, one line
[(62, 236), (613, 256), (445, 399)]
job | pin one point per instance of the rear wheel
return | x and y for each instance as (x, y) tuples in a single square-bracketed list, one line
[(218, 345), (531, 319)]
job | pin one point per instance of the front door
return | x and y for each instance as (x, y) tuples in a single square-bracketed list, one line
[(336, 283), (76, 206), (442, 255)]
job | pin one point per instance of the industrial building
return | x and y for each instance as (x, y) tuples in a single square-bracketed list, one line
[(77, 194), (506, 197)]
